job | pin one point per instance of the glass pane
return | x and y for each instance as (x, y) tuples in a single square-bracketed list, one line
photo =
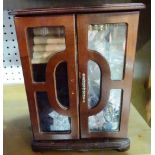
[(109, 40), (44, 42), (109, 118), (62, 84), (50, 120), (94, 80)]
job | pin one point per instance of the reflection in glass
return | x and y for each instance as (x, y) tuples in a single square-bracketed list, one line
[(94, 80), (109, 118), (44, 42), (50, 120), (109, 40)]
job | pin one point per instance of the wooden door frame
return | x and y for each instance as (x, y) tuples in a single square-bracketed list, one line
[(69, 55), (83, 21)]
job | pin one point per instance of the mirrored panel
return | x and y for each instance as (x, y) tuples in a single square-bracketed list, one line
[(50, 120), (94, 80), (110, 41), (107, 120), (44, 42)]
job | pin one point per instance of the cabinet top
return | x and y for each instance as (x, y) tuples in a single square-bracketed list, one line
[(79, 9)]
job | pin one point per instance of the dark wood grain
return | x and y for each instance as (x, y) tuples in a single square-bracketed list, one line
[(22, 4), (79, 9), (121, 144)]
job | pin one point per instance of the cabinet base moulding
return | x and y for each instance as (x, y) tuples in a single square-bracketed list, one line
[(120, 144)]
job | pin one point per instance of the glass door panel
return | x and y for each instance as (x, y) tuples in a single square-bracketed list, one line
[(94, 84), (44, 42), (107, 120), (62, 84), (109, 40), (50, 120)]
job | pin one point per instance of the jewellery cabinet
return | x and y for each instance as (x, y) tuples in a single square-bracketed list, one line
[(78, 67)]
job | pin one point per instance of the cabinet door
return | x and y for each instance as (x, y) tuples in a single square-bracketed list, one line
[(106, 49), (47, 50)]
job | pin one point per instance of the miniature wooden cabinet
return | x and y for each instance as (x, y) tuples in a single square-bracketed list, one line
[(78, 67)]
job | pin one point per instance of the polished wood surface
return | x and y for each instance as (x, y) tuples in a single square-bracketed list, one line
[(79, 9)]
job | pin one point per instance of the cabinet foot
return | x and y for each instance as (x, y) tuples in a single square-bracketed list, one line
[(119, 144), (123, 149)]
